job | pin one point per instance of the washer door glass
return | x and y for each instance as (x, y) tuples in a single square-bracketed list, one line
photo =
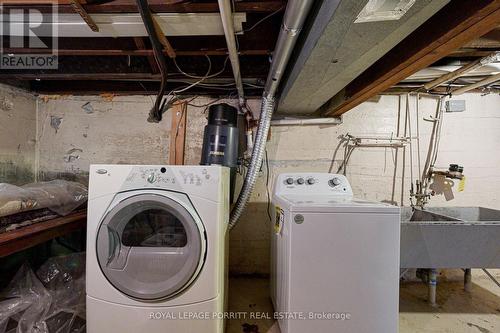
[(150, 247)]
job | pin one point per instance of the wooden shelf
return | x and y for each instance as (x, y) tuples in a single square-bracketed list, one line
[(26, 237)]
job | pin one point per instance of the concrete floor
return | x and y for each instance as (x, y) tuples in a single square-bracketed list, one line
[(457, 311)]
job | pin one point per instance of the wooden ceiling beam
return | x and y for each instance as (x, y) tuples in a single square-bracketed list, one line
[(130, 76), (454, 25), (81, 76), (136, 87), (157, 6), (471, 53), (141, 45), (139, 52)]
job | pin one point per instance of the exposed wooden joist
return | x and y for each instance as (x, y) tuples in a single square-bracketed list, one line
[(129, 76), (161, 6), (141, 52), (178, 133), (398, 90), (482, 83), (163, 39), (139, 41), (470, 53), (80, 76), (456, 24), (77, 7), (120, 87), (461, 71), (488, 41)]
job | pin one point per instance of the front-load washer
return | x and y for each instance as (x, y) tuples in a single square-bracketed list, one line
[(156, 248), (335, 259)]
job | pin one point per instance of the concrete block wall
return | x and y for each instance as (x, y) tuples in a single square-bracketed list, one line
[(17, 135), (470, 138), (75, 131)]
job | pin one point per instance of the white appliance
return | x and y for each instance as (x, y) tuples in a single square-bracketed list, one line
[(335, 259), (156, 248)]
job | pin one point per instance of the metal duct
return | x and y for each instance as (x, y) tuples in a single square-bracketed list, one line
[(226, 15), (295, 15)]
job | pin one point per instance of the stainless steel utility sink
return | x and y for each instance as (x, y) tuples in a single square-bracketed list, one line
[(450, 237)]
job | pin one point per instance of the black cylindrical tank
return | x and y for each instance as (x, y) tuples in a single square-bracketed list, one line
[(220, 139)]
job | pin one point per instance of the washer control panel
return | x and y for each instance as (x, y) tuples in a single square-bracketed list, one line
[(312, 184)]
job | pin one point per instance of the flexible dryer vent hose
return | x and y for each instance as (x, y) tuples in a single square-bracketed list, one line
[(266, 113)]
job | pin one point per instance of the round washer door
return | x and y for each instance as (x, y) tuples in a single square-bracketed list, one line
[(150, 247)]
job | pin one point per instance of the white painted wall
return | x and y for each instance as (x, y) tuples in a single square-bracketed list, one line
[(17, 135), (117, 132)]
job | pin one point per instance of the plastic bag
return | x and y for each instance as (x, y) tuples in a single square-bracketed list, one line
[(51, 301), (60, 196)]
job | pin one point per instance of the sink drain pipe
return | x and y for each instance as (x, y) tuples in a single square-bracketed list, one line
[(295, 15)]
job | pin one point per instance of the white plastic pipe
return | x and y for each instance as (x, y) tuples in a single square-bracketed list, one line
[(306, 121), (485, 82), (463, 70)]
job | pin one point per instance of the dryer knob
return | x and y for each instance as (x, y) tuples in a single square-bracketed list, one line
[(300, 181), (289, 181), (151, 178)]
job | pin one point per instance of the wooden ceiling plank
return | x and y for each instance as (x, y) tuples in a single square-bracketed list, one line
[(456, 24)]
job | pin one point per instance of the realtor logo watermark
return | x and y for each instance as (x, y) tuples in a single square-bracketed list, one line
[(29, 37)]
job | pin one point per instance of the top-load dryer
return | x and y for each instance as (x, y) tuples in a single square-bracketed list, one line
[(156, 248), (335, 259)]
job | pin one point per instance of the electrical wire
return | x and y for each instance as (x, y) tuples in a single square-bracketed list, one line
[(262, 20), (267, 189), (206, 76), (155, 114), (201, 79), (173, 92)]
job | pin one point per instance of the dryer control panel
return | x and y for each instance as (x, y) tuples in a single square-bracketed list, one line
[(312, 184)]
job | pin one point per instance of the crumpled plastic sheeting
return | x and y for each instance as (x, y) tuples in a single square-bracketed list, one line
[(50, 301), (60, 196)]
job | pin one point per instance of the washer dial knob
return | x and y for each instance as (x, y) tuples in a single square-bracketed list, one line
[(300, 181), (289, 181), (334, 182), (310, 181)]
